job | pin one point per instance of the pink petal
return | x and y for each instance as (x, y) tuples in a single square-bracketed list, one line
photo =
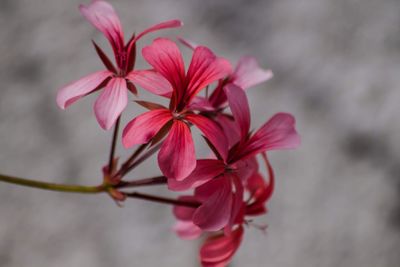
[(260, 190), (230, 128), (246, 168), (237, 199), (152, 81), (240, 108), (205, 68), (144, 127), (206, 169), (131, 51), (187, 230), (218, 97), (248, 73), (177, 158), (215, 212), (111, 102), (278, 133), (218, 250), (163, 25), (212, 131), (165, 57), (187, 43), (183, 213), (75, 90), (104, 18), (201, 104)]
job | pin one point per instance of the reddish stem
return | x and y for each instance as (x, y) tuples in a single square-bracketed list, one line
[(113, 145), (127, 163), (143, 182), (140, 160), (163, 200)]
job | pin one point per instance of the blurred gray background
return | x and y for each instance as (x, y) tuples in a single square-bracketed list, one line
[(336, 65)]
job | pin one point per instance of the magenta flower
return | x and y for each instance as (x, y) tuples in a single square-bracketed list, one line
[(218, 249), (247, 74), (219, 182), (115, 80), (177, 155)]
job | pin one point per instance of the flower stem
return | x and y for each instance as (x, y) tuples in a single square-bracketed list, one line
[(148, 154), (163, 200), (142, 182), (113, 144), (52, 186), (127, 163), (99, 189)]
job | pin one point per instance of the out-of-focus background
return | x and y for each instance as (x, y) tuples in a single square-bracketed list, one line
[(336, 65)]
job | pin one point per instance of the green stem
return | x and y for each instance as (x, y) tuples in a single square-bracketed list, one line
[(52, 186)]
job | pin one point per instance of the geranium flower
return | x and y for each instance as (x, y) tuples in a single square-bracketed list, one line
[(116, 81), (177, 157), (247, 74), (219, 182), (218, 249)]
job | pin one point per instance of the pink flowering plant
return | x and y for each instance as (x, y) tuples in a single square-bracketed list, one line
[(221, 194)]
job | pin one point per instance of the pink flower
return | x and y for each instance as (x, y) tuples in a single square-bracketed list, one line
[(219, 182), (177, 154), (247, 74), (116, 81), (218, 249)]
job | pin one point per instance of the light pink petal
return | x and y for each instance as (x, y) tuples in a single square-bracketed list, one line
[(152, 81), (205, 68), (206, 169), (177, 158), (212, 131), (240, 108), (187, 230), (215, 212), (104, 18), (144, 127), (278, 133), (75, 90), (163, 25), (111, 102), (183, 213), (165, 57), (187, 43), (248, 73), (219, 250)]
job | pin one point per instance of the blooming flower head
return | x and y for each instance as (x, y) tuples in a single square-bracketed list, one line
[(247, 74), (219, 248), (116, 81), (219, 182), (177, 155)]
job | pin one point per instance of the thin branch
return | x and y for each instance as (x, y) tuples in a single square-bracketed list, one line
[(113, 145), (52, 186), (143, 182), (141, 159), (127, 163), (163, 200)]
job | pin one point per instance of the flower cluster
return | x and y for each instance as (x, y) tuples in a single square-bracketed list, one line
[(228, 187)]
